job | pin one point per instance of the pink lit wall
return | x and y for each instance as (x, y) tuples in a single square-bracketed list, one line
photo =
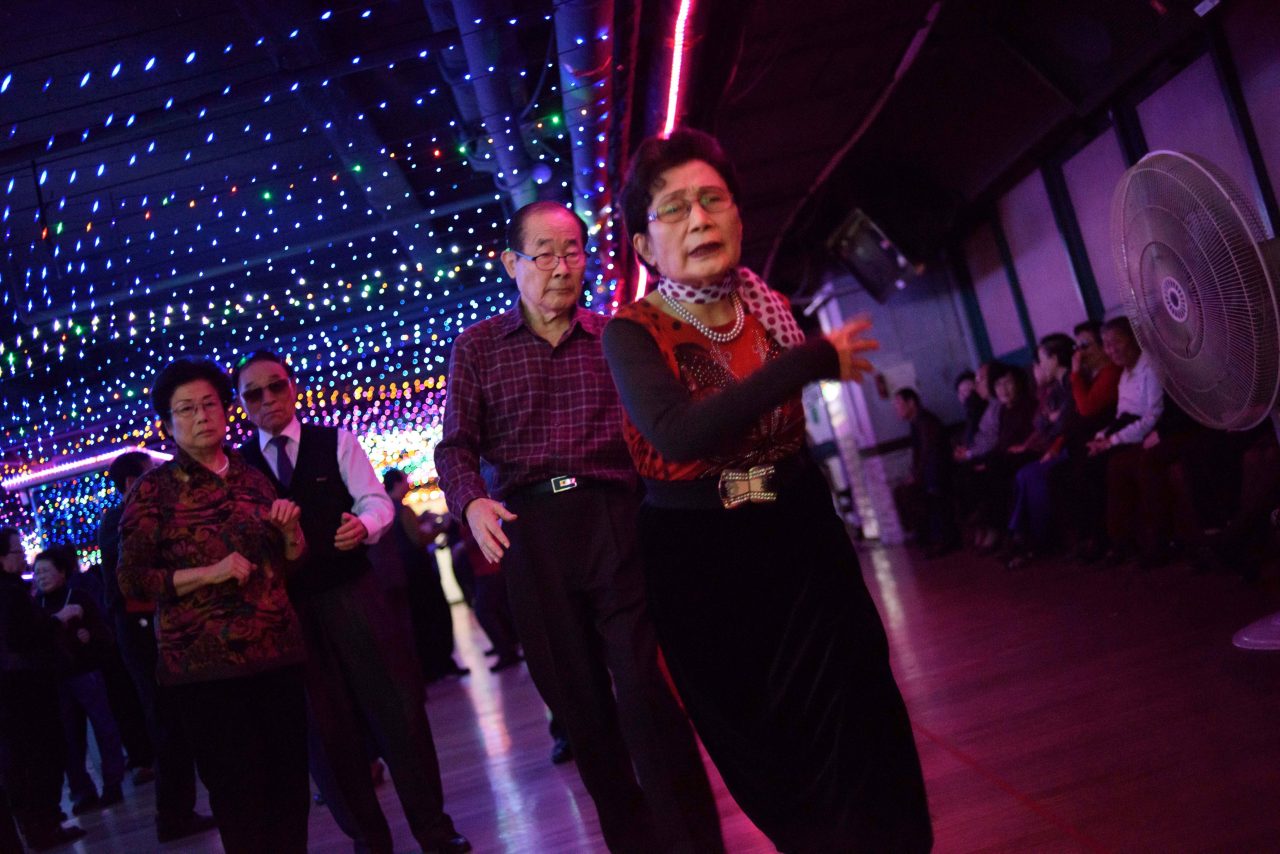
[(1189, 113), (995, 298), (1040, 258), (1091, 176), (1252, 28)]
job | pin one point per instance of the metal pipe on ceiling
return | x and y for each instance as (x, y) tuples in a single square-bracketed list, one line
[(586, 79), (491, 60)]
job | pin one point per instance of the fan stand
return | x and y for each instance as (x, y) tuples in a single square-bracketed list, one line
[(1264, 634)]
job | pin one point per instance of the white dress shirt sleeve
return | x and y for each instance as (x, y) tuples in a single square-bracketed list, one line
[(372, 504), (1150, 405)]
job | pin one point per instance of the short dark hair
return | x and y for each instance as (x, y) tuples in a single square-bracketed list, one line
[(1093, 327), (515, 228), (127, 465), (391, 477), (1059, 346), (179, 372), (7, 533), (63, 558), (655, 156), (908, 395), (995, 370), (1122, 325), (257, 356), (965, 376)]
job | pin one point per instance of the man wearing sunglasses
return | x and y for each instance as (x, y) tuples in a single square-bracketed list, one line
[(355, 671), (531, 400)]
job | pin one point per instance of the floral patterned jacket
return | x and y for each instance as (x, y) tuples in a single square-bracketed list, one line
[(181, 516)]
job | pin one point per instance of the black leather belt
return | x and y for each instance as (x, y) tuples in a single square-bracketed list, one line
[(562, 483)]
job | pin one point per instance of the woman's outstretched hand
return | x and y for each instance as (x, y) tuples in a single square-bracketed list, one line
[(851, 342)]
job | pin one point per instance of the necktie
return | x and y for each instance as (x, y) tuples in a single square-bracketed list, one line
[(284, 468)]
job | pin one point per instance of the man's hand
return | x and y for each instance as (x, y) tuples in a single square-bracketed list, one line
[(285, 515), (1098, 445), (351, 533), (83, 635), (69, 613), (485, 517)]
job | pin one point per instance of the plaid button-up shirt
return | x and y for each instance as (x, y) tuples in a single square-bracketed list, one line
[(523, 411)]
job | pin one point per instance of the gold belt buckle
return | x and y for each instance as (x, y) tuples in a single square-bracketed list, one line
[(738, 486), (564, 483)]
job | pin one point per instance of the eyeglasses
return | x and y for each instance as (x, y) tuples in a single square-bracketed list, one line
[(712, 200), (548, 261), (187, 411), (254, 395)]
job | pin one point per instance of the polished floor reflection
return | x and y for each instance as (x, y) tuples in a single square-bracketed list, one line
[(1060, 708)]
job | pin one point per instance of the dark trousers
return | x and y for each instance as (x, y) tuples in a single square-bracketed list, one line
[(250, 743), (175, 765), (82, 698), (32, 749), (1033, 511), (126, 708), (355, 674), (493, 612), (577, 593), (431, 618)]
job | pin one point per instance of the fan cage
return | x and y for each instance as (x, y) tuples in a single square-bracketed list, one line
[(1197, 287)]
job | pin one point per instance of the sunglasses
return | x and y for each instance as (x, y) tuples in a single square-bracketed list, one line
[(254, 395)]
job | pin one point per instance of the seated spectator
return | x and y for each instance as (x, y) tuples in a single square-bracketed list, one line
[(1140, 402), (974, 405), (995, 470), (926, 499), (82, 691), (983, 438), (1031, 521)]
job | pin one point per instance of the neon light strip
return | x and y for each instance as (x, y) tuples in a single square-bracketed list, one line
[(677, 64), (71, 469), (673, 104)]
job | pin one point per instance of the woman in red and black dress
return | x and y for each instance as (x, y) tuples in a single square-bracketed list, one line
[(205, 538), (766, 625)]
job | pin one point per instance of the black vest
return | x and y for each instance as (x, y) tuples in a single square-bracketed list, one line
[(318, 489)]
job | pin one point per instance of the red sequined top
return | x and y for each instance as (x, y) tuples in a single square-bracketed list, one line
[(696, 407)]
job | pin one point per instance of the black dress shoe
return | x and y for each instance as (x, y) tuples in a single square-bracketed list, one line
[(456, 844), (561, 752), (167, 830)]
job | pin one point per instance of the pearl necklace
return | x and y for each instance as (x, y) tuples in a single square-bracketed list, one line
[(718, 337), (226, 464)]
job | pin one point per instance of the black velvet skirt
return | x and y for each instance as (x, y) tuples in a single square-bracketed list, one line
[(781, 660)]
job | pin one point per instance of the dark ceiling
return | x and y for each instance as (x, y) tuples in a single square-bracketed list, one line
[(914, 111)]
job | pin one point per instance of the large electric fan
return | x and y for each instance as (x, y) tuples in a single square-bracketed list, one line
[(1200, 280)]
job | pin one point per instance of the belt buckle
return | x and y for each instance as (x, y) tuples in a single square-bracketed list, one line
[(740, 486), (564, 483)]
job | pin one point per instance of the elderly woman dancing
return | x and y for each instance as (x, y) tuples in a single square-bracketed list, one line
[(205, 538), (767, 627)]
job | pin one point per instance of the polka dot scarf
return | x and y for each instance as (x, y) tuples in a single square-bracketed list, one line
[(767, 305)]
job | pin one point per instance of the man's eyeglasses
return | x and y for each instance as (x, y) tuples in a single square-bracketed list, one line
[(187, 411), (712, 200), (254, 395), (548, 261)]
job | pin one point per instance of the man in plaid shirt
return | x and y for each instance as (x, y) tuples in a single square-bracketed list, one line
[(531, 401)]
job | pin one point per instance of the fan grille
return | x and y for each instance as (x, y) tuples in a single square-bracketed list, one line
[(1197, 288)]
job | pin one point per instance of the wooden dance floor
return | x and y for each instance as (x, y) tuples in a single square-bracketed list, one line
[(1060, 708)]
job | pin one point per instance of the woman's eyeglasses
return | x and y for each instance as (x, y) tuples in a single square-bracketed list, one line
[(187, 411), (254, 395), (712, 200), (548, 261)]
